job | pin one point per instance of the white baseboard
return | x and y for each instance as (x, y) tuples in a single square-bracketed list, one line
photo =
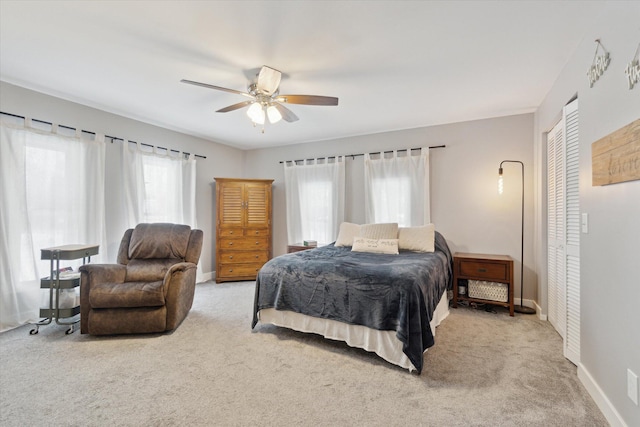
[(594, 390), (539, 312), (533, 304), (206, 277)]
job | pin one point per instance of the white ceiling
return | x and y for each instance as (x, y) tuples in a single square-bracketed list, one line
[(393, 64)]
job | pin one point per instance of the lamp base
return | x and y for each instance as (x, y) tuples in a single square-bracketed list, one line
[(524, 310)]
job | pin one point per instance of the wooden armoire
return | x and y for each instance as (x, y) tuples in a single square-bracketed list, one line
[(243, 227)]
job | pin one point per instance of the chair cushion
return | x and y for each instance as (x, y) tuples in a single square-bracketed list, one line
[(128, 294), (159, 241), (148, 270)]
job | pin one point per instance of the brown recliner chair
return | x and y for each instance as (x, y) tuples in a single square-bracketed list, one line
[(150, 289)]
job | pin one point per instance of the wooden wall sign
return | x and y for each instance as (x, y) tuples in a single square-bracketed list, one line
[(616, 157)]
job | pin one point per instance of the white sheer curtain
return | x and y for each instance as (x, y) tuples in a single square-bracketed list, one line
[(51, 194), (397, 188), (158, 187), (315, 193)]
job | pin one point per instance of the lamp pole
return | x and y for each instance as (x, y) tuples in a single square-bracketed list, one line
[(518, 308)]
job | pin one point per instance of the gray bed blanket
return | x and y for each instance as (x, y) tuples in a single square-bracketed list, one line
[(383, 292)]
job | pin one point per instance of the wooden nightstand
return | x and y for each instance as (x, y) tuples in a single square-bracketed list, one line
[(491, 268), (297, 247)]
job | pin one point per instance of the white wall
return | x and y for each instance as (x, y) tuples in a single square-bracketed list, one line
[(465, 206), (220, 159), (610, 252)]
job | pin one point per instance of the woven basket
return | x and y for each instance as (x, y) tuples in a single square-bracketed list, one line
[(492, 291)]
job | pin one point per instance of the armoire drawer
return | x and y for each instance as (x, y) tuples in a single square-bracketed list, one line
[(231, 232), (239, 270), (243, 243), (255, 232), (236, 257)]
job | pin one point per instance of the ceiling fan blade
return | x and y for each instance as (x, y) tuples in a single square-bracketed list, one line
[(269, 80), (286, 114), (234, 107), (224, 89), (308, 99)]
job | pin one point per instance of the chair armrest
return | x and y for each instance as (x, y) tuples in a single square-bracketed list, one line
[(91, 274), (100, 273), (179, 288)]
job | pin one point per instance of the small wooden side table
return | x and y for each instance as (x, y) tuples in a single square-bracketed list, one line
[(297, 247), (493, 268)]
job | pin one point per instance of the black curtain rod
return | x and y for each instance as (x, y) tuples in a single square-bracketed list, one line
[(362, 154), (106, 136)]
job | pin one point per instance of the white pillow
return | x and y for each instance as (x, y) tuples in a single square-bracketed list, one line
[(348, 231), (379, 231), (418, 239), (376, 246)]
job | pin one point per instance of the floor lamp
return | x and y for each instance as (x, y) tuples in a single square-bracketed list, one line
[(518, 308)]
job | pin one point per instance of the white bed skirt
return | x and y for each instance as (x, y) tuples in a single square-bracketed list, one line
[(384, 343)]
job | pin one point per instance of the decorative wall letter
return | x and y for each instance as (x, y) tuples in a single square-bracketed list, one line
[(633, 70), (599, 64)]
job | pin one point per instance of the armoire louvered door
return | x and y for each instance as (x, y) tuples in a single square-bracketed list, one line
[(563, 204)]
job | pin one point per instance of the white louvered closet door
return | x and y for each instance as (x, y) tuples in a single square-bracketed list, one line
[(564, 231), (556, 237), (572, 232)]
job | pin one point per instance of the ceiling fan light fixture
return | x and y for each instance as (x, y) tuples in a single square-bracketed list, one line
[(265, 99), (256, 113), (274, 114)]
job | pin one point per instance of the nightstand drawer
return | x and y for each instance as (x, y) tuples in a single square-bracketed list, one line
[(484, 270)]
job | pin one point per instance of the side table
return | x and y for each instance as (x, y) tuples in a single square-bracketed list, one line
[(493, 268)]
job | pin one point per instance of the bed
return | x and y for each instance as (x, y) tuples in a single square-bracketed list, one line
[(387, 304)]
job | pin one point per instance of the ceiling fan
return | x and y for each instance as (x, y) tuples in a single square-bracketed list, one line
[(265, 99)]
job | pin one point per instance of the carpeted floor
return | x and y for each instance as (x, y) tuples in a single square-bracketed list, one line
[(486, 369)]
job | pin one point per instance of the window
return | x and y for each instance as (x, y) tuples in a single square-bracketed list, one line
[(315, 200), (162, 189), (392, 201), (316, 209), (52, 193), (157, 187), (397, 189)]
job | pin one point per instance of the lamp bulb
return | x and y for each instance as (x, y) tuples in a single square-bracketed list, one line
[(274, 114), (500, 185), (256, 113)]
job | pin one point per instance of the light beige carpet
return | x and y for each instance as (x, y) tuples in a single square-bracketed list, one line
[(485, 370)]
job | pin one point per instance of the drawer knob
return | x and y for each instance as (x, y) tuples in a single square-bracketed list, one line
[(256, 256), (482, 270), (231, 232), (257, 232), (257, 243), (231, 270), (230, 256), (230, 243)]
